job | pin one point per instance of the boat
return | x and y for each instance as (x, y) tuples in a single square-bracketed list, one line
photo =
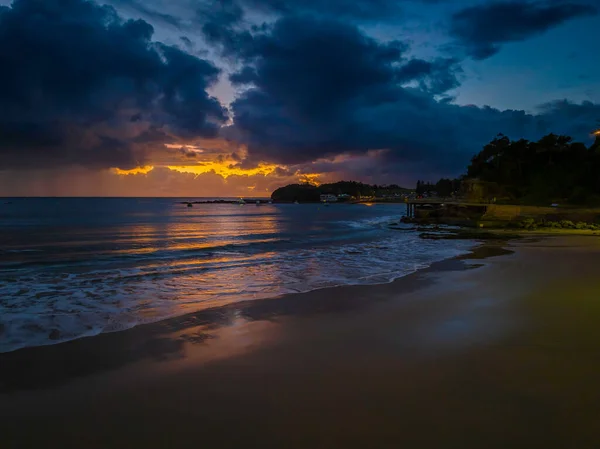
[(241, 202), (190, 205), (296, 202), (258, 203)]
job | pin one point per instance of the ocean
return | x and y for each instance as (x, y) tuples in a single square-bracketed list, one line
[(75, 267)]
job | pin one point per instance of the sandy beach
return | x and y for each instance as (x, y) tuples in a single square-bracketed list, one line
[(499, 349)]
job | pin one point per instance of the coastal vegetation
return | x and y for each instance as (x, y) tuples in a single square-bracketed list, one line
[(549, 185), (444, 187), (554, 169), (351, 189), (532, 224)]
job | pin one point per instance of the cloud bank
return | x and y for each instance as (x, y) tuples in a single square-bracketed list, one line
[(318, 88), (317, 92), (81, 86), (482, 29)]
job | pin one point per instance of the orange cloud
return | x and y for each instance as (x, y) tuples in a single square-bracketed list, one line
[(224, 169), (134, 171), (310, 178), (215, 170)]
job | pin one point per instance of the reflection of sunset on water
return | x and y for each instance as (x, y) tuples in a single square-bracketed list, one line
[(205, 266), (115, 263)]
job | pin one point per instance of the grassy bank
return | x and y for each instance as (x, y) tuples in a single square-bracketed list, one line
[(511, 219), (510, 230)]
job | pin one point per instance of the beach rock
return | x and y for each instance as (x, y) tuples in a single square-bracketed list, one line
[(54, 334)]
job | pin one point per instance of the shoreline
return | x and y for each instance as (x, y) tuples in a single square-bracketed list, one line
[(476, 351), (502, 233), (210, 308), (131, 339)]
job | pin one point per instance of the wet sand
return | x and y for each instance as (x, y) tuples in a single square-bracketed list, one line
[(481, 352)]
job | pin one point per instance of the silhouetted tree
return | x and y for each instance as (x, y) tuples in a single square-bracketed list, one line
[(311, 193), (552, 169)]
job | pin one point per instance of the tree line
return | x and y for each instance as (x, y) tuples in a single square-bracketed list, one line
[(311, 193), (552, 169), (444, 187)]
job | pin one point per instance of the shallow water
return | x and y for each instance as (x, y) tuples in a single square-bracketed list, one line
[(71, 267)]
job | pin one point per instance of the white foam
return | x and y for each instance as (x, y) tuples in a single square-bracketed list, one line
[(48, 306), (372, 222)]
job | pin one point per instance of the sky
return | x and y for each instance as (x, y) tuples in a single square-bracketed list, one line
[(191, 98)]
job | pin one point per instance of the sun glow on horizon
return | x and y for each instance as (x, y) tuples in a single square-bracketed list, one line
[(224, 169), (134, 171), (310, 178)]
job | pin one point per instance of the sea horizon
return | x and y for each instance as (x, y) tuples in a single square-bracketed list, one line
[(71, 267), (157, 197)]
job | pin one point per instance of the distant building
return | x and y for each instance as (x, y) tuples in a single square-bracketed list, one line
[(328, 198)]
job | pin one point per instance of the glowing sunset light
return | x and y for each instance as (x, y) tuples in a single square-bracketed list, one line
[(227, 168), (309, 178), (224, 169)]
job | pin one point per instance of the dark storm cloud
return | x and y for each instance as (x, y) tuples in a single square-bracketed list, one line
[(229, 12), (313, 66), (320, 88), (80, 86), (187, 42), (224, 22), (221, 12), (437, 76), (578, 118), (343, 9), (148, 12), (484, 28)]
